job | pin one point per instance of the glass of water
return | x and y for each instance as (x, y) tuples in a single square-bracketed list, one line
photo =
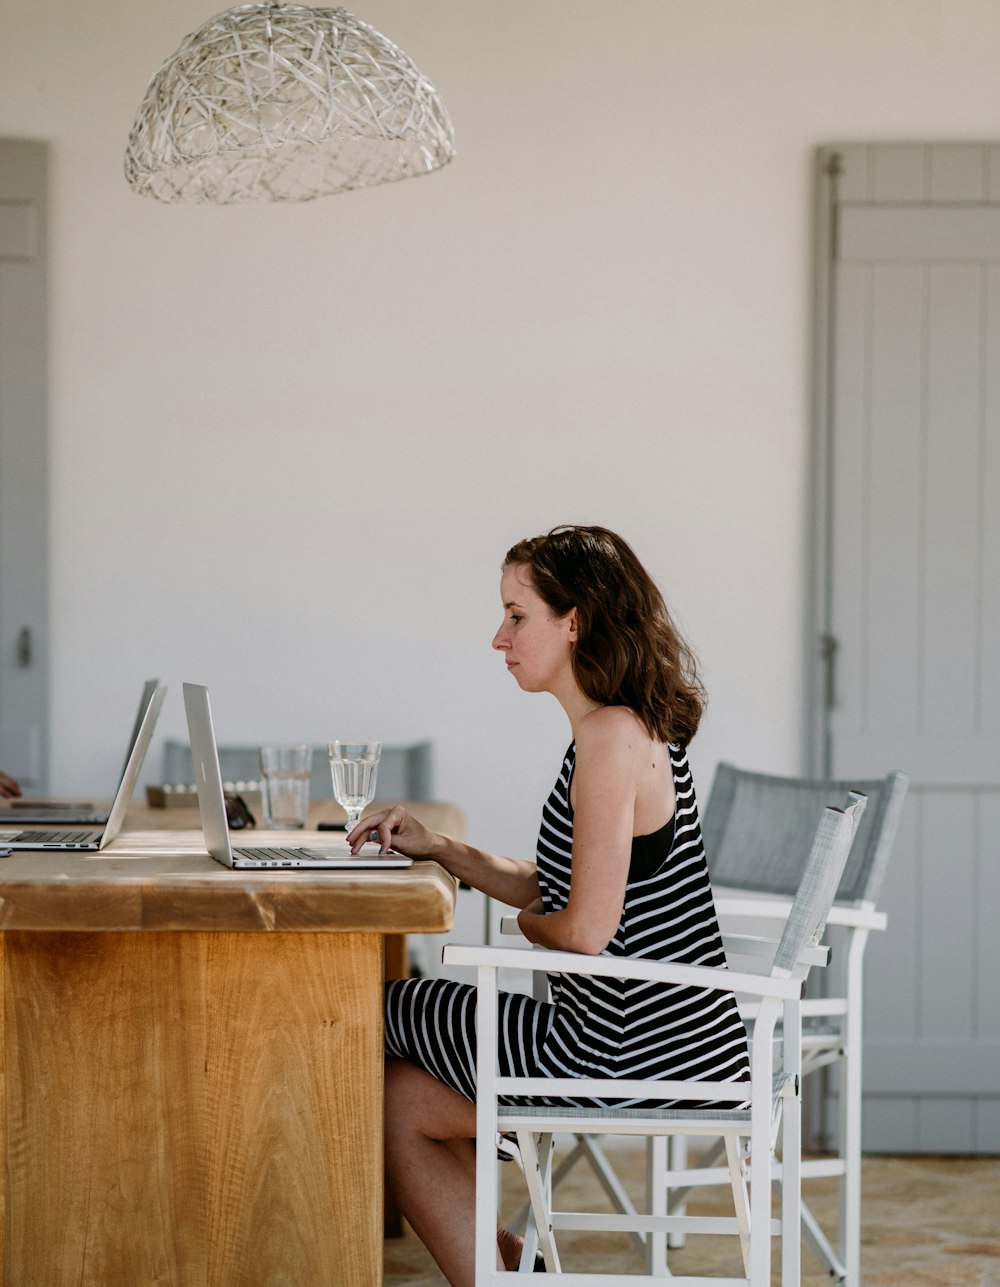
[(285, 772), (354, 766)]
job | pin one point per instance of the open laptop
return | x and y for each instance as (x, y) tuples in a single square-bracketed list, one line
[(212, 804), (40, 812), (96, 838)]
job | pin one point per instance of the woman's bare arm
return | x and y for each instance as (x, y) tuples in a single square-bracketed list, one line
[(510, 880), (612, 752)]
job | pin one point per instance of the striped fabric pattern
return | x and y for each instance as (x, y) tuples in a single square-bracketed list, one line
[(597, 1027)]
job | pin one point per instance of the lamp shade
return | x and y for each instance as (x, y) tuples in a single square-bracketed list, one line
[(272, 102)]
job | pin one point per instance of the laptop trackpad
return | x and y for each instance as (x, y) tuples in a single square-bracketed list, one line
[(366, 858)]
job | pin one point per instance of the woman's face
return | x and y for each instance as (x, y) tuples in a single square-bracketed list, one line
[(537, 645)]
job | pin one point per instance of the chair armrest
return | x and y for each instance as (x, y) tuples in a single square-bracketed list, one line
[(851, 915), (757, 947), (743, 907), (861, 916), (620, 967)]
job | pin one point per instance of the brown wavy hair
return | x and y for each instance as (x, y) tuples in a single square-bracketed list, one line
[(628, 651)]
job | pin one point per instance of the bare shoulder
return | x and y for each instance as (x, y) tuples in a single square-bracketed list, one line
[(612, 732)]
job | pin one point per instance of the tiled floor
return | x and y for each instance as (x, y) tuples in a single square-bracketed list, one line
[(927, 1222)]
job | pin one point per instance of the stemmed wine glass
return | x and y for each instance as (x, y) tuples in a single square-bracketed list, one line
[(354, 766)]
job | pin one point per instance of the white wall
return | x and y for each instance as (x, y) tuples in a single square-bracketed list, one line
[(291, 444)]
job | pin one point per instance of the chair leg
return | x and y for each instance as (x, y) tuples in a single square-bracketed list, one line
[(738, 1177), (844, 1261), (678, 1161), (760, 1172), (538, 1177), (530, 1246), (820, 1244), (588, 1148), (526, 1265), (518, 1223), (791, 1191), (850, 1139), (657, 1154)]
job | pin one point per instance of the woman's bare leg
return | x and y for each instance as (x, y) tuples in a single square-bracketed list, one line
[(430, 1165)]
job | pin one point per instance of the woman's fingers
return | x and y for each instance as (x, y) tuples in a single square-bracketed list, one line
[(377, 827)]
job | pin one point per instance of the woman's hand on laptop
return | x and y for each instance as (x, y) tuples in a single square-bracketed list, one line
[(396, 829)]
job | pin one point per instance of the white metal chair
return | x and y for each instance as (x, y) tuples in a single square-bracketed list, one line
[(772, 1095), (754, 827)]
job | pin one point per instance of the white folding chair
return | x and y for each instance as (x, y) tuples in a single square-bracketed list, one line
[(754, 827), (772, 1094)]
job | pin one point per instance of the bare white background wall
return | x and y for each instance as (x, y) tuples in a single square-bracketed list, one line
[(290, 445)]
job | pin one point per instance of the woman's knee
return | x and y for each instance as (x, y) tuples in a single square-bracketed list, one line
[(398, 1075), (406, 1091), (416, 1099)]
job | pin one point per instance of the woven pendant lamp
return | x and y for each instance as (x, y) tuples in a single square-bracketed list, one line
[(273, 102)]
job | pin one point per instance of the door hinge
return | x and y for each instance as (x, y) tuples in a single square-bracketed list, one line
[(828, 646), (24, 648)]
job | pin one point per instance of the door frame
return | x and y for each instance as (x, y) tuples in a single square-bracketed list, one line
[(24, 464), (820, 687)]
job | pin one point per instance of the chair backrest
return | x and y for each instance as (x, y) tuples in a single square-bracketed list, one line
[(404, 772), (818, 884), (757, 829)]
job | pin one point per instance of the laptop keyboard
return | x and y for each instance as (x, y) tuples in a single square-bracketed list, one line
[(272, 857), (53, 837), (72, 817)]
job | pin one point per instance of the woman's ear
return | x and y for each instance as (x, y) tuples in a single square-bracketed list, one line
[(574, 625)]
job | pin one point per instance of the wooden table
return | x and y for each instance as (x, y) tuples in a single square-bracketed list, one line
[(439, 815), (192, 1064)]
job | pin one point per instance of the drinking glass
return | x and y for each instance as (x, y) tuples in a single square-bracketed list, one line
[(285, 771), (354, 766)]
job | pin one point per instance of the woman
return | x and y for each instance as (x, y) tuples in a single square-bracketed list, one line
[(620, 869)]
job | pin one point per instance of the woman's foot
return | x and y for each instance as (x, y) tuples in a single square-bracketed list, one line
[(510, 1248)]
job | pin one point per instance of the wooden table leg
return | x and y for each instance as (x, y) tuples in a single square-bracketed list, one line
[(397, 962), (194, 1109), (397, 966)]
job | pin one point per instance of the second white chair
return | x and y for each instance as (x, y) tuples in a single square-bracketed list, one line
[(755, 826)]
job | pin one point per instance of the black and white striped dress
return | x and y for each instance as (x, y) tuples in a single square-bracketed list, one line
[(597, 1026)]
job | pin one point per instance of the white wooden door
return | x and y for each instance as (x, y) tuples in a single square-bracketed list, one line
[(909, 388), (24, 517)]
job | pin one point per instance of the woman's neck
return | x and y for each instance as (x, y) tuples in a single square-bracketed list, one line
[(577, 706)]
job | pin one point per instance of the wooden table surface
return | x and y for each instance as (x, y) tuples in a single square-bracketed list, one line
[(192, 1063)]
